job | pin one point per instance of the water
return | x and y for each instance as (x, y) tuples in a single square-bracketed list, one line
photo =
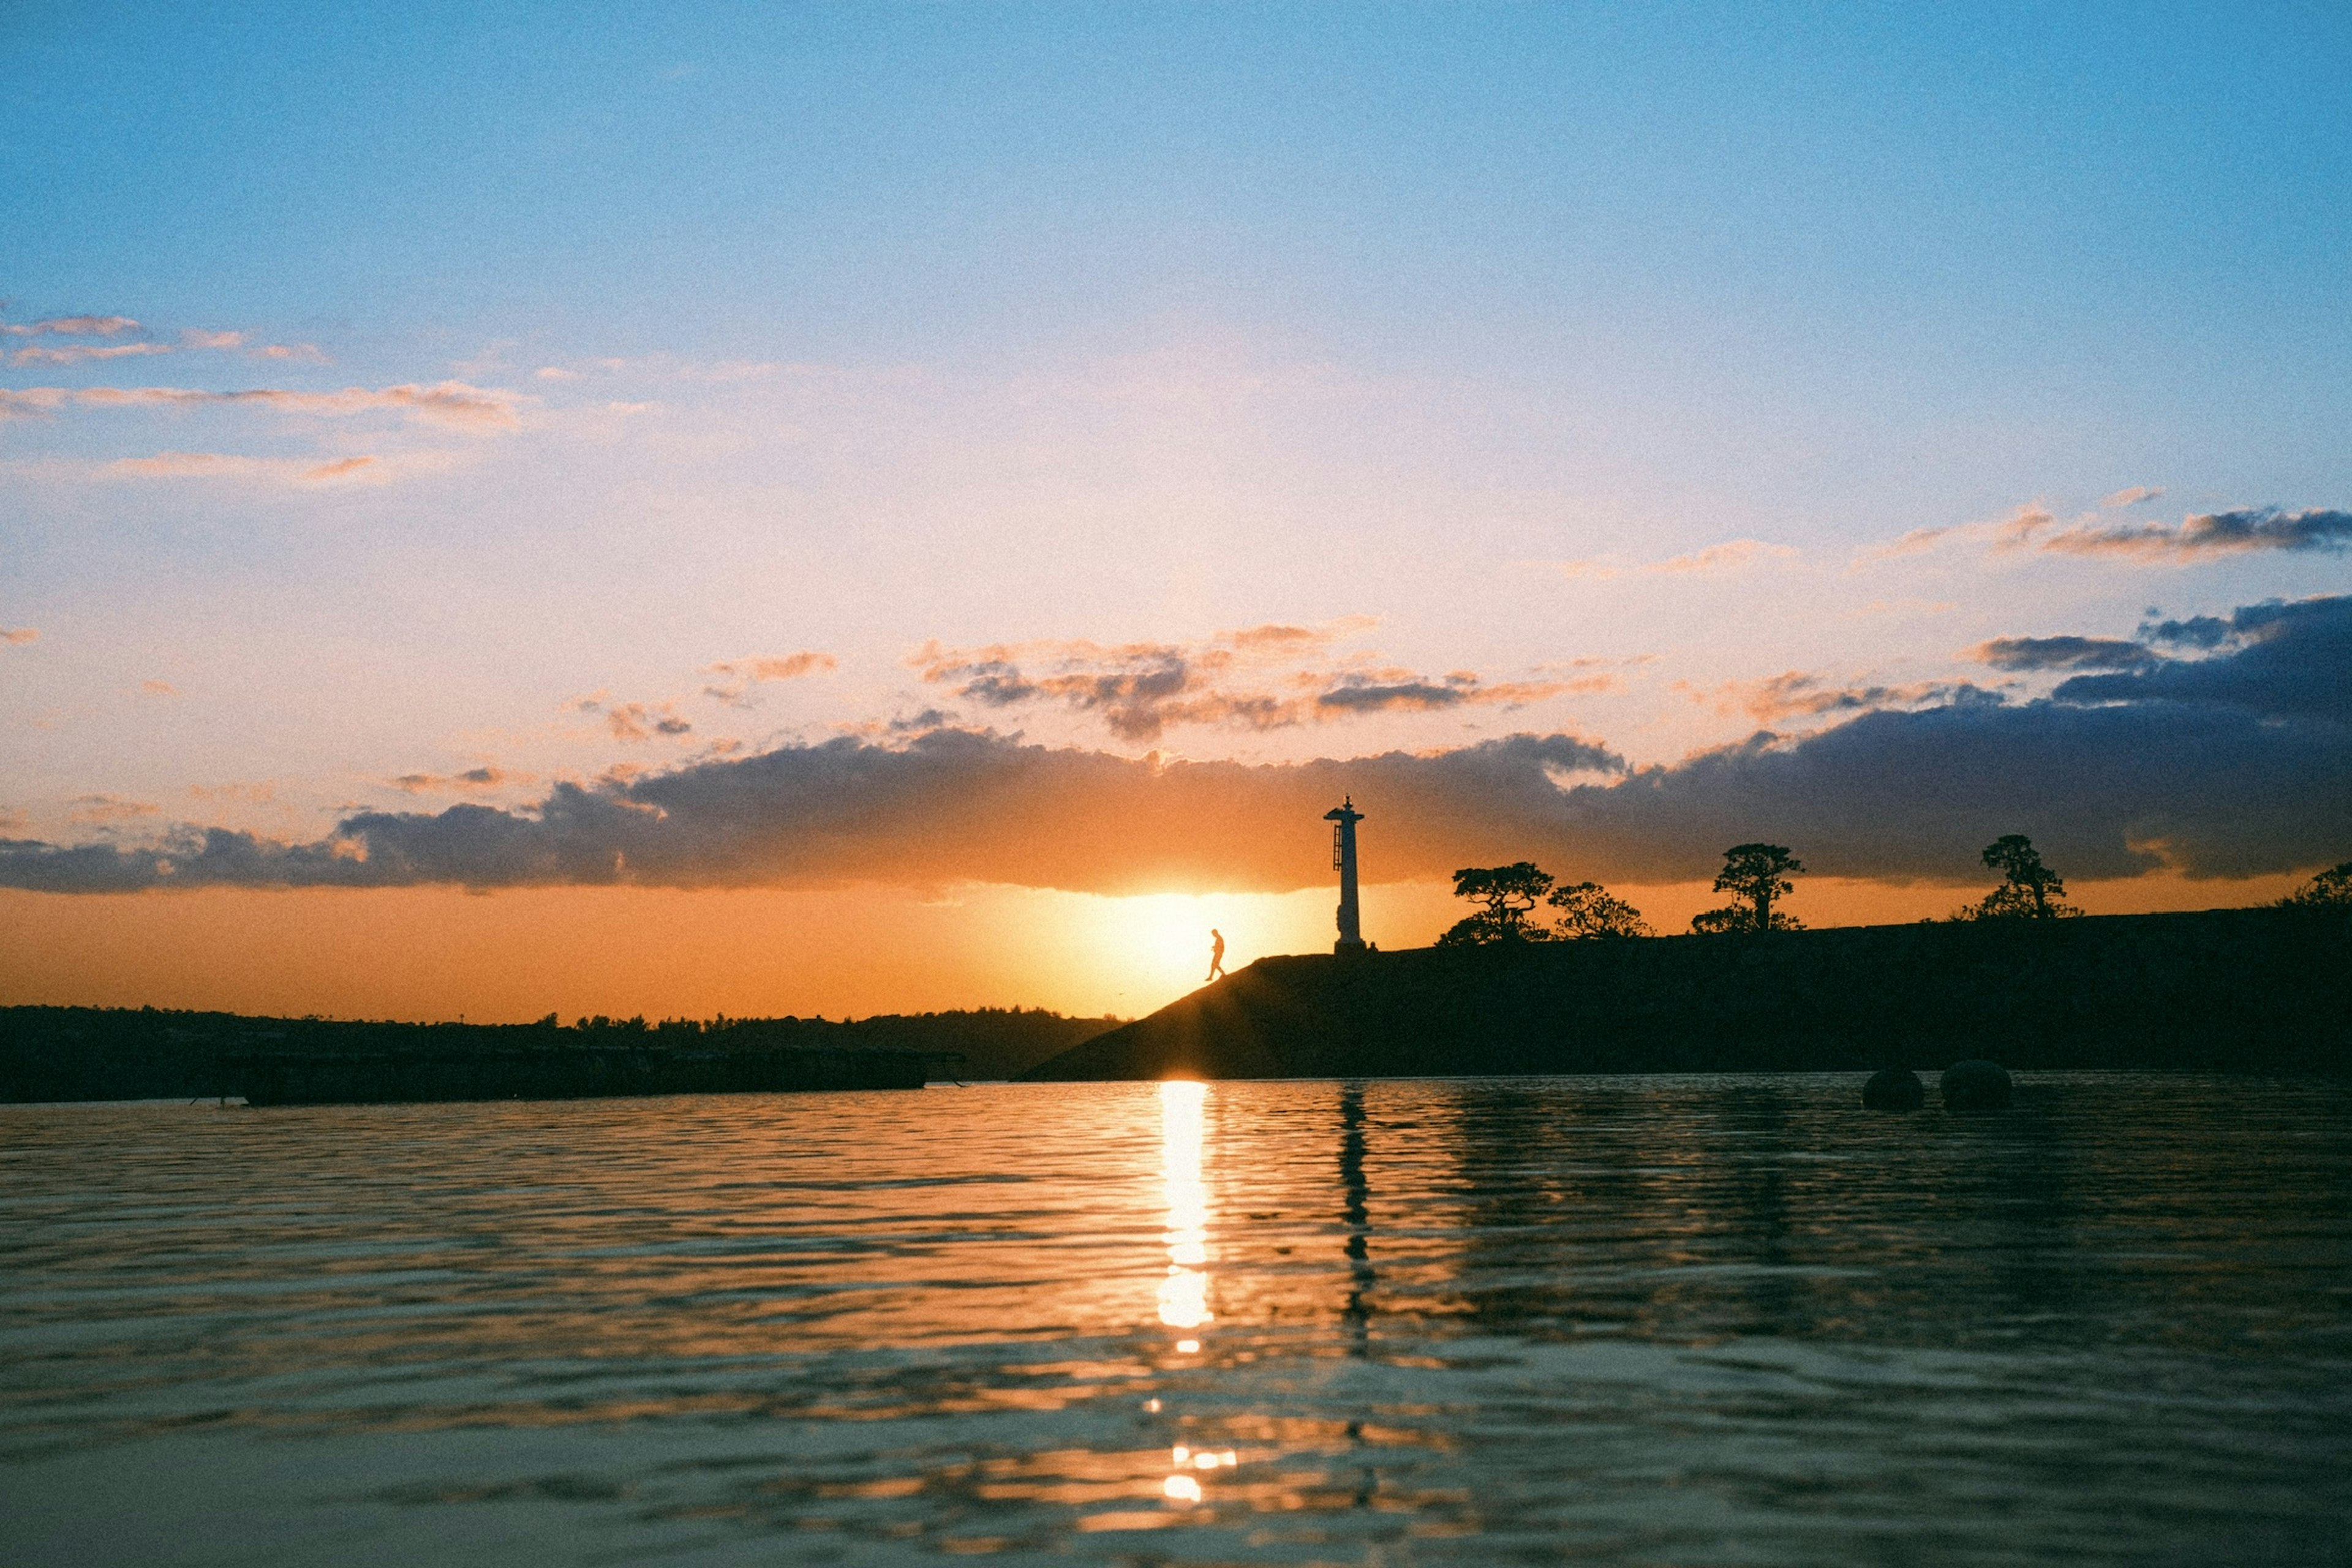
[(1643, 1321)]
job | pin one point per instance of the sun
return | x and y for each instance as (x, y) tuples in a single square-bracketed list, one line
[(1167, 933)]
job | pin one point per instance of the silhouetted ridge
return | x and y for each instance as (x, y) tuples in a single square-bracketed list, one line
[(2230, 990)]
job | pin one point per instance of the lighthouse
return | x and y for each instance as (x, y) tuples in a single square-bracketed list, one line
[(1343, 818)]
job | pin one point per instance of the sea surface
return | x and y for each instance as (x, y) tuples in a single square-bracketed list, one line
[(1635, 1321)]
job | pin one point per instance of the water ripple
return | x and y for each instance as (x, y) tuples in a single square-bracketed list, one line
[(1639, 1319)]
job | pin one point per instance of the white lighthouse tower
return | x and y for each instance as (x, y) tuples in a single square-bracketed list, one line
[(1343, 818)]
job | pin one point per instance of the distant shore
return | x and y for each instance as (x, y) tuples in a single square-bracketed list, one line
[(2263, 990), (124, 1053)]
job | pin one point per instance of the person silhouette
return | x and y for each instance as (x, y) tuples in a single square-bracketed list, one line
[(1216, 954)]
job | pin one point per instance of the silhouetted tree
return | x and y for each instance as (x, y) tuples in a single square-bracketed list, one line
[(2330, 892), (1587, 909), (1756, 873), (1507, 893), (2028, 890)]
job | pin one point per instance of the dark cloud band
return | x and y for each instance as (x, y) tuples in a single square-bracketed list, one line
[(2231, 764)]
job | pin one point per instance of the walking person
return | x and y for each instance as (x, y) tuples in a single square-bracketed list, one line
[(1216, 954)]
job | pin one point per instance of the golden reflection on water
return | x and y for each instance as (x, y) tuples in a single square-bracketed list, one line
[(1183, 1126), (1184, 1292)]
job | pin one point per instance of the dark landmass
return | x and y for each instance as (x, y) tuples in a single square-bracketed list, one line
[(2263, 990), (563, 1072), (111, 1053)]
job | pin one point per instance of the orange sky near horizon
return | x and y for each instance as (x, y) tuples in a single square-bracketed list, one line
[(844, 510), (437, 953)]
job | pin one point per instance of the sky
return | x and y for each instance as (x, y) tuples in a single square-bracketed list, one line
[(863, 509)]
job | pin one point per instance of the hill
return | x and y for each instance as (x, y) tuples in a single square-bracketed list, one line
[(2255, 990)]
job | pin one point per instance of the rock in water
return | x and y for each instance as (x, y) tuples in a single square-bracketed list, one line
[(1893, 1089), (1976, 1086)]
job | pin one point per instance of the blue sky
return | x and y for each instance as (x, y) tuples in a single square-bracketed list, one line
[(1592, 360)]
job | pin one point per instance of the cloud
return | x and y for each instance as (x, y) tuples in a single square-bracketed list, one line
[(1732, 555), (230, 466), (104, 809), (2285, 659), (746, 673), (9, 635), (73, 327), (1263, 677), (29, 403), (249, 794), (2208, 534), (452, 403), (74, 353), (2132, 496), (1352, 693), (1797, 694), (192, 340), (2060, 653), (639, 721), (158, 688), (949, 807), (486, 777), (2200, 536), (2229, 763), (340, 468)]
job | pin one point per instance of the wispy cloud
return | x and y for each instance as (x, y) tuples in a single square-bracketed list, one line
[(2132, 496), (191, 340), (12, 635), (452, 403), (1732, 555), (642, 720), (2198, 536), (1261, 678), (2207, 534), (105, 810), (244, 794), (230, 466), (742, 674), (72, 327), (1798, 694), (74, 353), (489, 776)]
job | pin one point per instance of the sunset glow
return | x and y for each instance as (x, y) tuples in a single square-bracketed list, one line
[(858, 511)]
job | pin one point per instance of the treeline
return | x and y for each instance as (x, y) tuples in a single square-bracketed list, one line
[(147, 1053), (1511, 899)]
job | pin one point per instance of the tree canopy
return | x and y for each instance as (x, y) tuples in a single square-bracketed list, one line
[(1588, 910), (1754, 875), (2330, 893), (1507, 893), (2029, 891), (1508, 896)]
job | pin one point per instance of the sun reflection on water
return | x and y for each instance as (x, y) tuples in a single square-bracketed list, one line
[(1184, 1293)]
